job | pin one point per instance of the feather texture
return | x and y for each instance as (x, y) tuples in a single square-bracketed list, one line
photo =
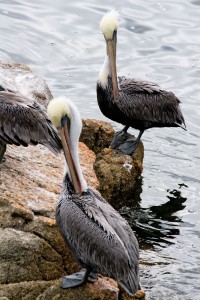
[(24, 122), (141, 105), (98, 236)]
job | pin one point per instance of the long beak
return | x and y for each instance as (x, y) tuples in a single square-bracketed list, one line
[(111, 51), (64, 135)]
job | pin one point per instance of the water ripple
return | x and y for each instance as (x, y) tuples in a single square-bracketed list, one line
[(157, 41)]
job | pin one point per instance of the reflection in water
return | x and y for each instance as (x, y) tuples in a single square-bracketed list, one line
[(156, 225), (158, 41)]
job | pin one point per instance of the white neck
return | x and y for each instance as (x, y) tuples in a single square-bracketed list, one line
[(104, 73), (75, 130)]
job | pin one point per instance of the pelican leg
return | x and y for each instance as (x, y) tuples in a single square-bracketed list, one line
[(92, 277), (129, 145), (2, 151), (79, 278)]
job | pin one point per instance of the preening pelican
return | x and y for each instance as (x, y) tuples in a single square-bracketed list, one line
[(100, 239), (24, 122), (131, 102)]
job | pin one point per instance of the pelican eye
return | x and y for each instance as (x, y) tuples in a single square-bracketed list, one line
[(114, 33), (64, 120)]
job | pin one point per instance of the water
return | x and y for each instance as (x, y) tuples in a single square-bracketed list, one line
[(157, 41)]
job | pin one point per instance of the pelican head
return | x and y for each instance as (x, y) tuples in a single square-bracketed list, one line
[(109, 25), (66, 118)]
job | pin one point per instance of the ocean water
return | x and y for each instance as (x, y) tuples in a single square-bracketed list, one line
[(157, 41)]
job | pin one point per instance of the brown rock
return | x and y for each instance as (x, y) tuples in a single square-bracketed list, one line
[(87, 160), (140, 294), (96, 134), (46, 229), (118, 173), (25, 257), (24, 290), (32, 252), (31, 183), (103, 289)]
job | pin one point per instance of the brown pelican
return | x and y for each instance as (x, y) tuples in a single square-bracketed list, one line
[(100, 239), (24, 122), (131, 102)]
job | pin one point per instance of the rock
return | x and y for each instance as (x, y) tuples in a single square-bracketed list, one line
[(96, 134), (103, 289), (26, 257), (19, 77), (30, 188), (118, 173), (139, 295), (24, 290), (33, 255)]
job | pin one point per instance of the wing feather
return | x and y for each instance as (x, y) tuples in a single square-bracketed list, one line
[(24, 122), (99, 237), (146, 101)]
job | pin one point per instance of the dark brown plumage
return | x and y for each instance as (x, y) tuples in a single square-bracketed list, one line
[(133, 103), (24, 122), (141, 104)]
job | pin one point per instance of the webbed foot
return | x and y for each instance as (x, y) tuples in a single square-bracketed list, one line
[(79, 278), (119, 138), (125, 142), (129, 146)]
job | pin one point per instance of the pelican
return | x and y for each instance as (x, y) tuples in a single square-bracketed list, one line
[(100, 239), (24, 122), (131, 102)]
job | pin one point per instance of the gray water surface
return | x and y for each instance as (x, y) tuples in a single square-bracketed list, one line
[(158, 41)]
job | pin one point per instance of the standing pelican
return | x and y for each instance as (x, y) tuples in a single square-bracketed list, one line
[(133, 103), (100, 239), (24, 122)]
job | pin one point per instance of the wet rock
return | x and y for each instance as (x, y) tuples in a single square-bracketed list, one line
[(96, 134), (19, 77), (118, 173)]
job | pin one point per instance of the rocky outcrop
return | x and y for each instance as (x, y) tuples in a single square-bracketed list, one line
[(103, 289), (118, 173), (33, 255), (96, 134), (30, 188)]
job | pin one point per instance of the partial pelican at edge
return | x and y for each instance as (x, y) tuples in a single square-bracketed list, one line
[(24, 122)]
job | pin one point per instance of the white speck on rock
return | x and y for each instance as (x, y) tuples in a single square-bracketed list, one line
[(127, 166)]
